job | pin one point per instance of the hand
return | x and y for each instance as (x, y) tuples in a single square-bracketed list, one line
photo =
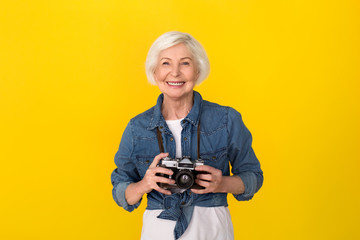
[(150, 180), (212, 180)]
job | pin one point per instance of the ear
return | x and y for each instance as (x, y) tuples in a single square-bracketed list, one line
[(154, 76), (197, 76)]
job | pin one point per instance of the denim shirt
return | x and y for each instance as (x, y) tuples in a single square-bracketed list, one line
[(224, 140)]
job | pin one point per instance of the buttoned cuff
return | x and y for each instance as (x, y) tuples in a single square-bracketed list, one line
[(120, 197), (250, 182)]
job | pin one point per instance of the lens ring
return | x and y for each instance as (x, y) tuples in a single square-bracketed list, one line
[(184, 179)]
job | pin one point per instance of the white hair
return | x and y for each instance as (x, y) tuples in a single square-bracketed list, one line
[(173, 38)]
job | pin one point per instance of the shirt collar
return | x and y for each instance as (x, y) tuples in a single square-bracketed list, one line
[(158, 120)]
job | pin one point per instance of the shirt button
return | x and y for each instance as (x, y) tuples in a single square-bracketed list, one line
[(185, 138), (171, 139), (183, 203), (161, 127)]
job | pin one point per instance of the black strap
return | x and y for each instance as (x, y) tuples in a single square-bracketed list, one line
[(198, 141), (161, 144)]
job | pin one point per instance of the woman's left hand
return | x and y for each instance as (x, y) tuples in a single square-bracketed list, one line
[(212, 180)]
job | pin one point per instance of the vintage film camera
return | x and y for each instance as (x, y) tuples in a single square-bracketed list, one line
[(184, 172)]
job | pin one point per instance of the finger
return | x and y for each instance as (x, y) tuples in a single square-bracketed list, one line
[(157, 159), (199, 191), (206, 177), (162, 170), (206, 168), (202, 183), (164, 180), (163, 191)]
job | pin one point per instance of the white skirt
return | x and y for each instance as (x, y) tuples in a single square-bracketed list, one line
[(207, 223)]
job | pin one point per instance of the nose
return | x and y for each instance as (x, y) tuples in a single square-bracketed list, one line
[(175, 70)]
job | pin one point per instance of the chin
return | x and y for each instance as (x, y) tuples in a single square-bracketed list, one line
[(178, 94)]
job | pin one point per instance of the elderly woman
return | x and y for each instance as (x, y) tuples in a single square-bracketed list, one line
[(183, 124)]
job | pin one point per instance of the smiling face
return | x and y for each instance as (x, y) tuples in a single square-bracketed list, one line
[(176, 72)]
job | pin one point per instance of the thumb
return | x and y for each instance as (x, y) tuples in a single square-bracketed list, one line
[(157, 159)]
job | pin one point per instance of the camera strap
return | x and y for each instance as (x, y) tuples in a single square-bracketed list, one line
[(198, 141), (160, 141), (161, 144)]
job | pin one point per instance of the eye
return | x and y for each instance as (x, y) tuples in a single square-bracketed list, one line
[(185, 63), (165, 63)]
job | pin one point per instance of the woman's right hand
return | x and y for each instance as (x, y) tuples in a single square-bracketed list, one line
[(135, 191), (151, 180)]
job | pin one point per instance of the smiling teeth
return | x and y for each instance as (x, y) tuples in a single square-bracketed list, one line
[(175, 83)]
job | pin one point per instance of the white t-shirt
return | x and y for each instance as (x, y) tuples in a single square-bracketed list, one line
[(207, 223), (176, 128)]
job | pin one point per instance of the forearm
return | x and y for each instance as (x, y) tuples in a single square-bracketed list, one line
[(134, 193), (231, 184)]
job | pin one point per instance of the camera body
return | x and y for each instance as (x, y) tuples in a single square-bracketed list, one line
[(184, 172)]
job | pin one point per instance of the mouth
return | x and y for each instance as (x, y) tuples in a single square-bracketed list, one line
[(176, 84)]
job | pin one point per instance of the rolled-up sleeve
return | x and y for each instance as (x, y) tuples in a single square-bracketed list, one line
[(242, 157), (126, 172)]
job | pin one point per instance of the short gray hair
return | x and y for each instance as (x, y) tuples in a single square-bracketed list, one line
[(173, 38)]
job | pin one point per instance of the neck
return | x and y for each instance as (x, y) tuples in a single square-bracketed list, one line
[(173, 109)]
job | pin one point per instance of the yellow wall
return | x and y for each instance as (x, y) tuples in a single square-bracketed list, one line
[(72, 75)]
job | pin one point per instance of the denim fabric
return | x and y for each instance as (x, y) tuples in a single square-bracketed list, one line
[(224, 139), (179, 208)]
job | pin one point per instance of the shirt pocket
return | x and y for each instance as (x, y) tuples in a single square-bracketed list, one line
[(143, 163), (216, 159)]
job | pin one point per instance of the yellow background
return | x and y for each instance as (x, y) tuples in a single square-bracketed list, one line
[(72, 75)]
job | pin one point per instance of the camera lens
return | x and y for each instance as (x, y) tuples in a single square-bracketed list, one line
[(184, 179)]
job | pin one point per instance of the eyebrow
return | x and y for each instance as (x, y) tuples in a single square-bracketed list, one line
[(186, 58), (180, 58)]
